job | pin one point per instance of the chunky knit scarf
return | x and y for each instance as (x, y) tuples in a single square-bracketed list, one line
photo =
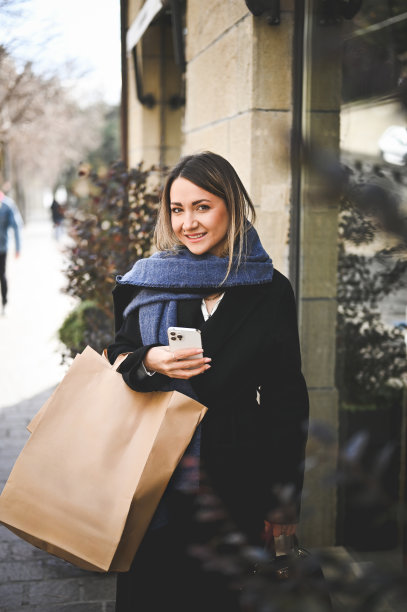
[(169, 276)]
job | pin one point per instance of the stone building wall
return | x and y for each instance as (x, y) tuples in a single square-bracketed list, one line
[(317, 290), (239, 103)]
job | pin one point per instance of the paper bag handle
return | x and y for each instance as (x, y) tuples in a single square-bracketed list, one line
[(119, 360)]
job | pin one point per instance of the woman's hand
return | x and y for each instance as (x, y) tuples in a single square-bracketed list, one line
[(174, 363)]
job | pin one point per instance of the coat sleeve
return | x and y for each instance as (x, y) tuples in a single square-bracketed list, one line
[(128, 340), (16, 229), (284, 398)]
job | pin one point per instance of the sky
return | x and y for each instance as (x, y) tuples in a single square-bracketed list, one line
[(82, 33)]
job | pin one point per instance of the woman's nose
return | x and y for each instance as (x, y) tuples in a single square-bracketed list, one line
[(189, 221)]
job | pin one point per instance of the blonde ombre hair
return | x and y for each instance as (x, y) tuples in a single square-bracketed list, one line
[(215, 174)]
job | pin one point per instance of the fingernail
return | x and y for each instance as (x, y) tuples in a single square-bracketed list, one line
[(207, 367), (207, 359)]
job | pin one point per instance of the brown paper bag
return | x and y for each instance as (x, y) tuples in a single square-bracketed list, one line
[(90, 477), (32, 425)]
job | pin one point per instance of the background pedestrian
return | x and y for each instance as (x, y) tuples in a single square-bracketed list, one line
[(9, 218), (57, 215)]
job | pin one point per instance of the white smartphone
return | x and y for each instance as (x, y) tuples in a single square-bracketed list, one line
[(185, 337)]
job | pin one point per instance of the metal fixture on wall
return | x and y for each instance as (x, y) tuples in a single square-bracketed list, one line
[(145, 99), (270, 9), (178, 100), (177, 34), (160, 9)]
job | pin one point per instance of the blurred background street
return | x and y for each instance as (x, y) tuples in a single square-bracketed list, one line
[(30, 368), (35, 310)]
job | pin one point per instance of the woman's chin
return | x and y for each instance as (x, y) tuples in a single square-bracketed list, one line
[(197, 249), (202, 247)]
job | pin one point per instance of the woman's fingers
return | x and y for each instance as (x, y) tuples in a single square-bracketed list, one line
[(176, 364), (188, 373), (185, 363), (181, 354), (189, 364), (187, 369)]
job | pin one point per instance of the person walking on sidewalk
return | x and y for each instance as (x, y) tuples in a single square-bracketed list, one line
[(57, 215), (8, 219), (211, 272)]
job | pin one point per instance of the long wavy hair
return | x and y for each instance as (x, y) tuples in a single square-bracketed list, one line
[(216, 175)]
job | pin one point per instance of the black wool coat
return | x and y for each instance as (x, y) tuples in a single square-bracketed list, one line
[(255, 430)]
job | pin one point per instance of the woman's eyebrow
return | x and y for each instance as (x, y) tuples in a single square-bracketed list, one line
[(200, 201), (195, 203)]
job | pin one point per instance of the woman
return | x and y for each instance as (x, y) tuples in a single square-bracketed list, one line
[(212, 273)]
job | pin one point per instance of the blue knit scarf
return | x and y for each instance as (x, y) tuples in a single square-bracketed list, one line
[(181, 270), (166, 278)]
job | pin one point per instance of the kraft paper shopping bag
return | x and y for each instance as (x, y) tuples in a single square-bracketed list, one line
[(90, 477)]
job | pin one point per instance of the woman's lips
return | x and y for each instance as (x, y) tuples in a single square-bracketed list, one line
[(195, 237)]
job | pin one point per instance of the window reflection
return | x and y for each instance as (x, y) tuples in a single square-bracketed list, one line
[(372, 275)]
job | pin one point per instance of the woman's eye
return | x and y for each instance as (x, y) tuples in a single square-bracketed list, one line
[(175, 210), (203, 207)]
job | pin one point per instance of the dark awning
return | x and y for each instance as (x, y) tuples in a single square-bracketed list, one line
[(150, 9)]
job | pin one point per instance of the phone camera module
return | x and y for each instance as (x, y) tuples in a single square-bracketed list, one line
[(179, 337)]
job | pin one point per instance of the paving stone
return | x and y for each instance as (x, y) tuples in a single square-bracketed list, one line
[(75, 607), (7, 466), (15, 431), (6, 535), (12, 440), (51, 592), (4, 551), (57, 568), (11, 595), (101, 587), (8, 452), (16, 571), (21, 551)]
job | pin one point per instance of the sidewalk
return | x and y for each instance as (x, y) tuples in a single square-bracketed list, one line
[(30, 368)]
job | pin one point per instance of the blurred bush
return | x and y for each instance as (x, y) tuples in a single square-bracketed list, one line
[(371, 356), (110, 229)]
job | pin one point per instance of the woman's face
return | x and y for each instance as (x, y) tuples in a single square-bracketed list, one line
[(199, 219)]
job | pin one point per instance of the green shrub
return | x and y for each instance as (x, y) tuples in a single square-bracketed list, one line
[(110, 230), (85, 325)]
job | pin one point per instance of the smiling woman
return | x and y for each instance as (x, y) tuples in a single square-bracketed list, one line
[(208, 176), (212, 273), (199, 219)]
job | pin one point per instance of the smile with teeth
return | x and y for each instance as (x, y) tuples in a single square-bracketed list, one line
[(195, 236)]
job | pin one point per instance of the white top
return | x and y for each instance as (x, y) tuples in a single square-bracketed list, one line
[(204, 309)]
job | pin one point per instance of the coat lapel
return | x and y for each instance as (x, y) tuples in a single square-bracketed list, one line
[(237, 304)]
